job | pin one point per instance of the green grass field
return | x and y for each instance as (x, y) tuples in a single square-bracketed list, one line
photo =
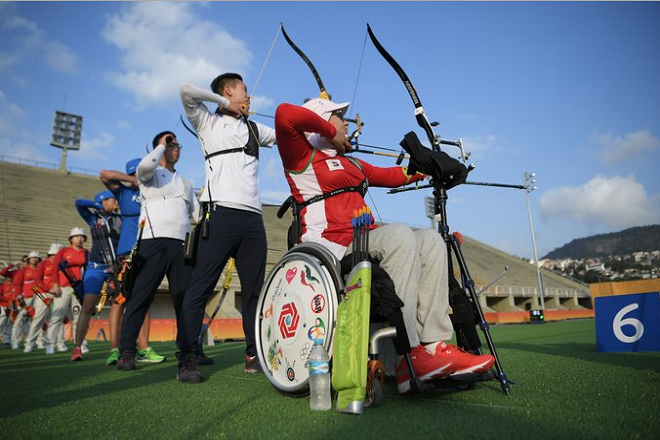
[(564, 389)]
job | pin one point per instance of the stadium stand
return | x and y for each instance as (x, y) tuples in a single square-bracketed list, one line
[(37, 208)]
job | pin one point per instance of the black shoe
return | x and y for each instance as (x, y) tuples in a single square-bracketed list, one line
[(189, 370), (252, 365), (126, 362), (202, 359)]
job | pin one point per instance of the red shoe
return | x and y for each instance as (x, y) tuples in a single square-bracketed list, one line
[(76, 355), (463, 362), (427, 366)]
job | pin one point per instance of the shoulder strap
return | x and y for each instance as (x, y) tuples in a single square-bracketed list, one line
[(361, 188), (251, 148)]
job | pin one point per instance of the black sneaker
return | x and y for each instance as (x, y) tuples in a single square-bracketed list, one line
[(126, 362), (189, 370), (252, 365), (202, 359)]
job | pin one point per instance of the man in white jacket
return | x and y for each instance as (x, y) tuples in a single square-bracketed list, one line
[(168, 203), (231, 207)]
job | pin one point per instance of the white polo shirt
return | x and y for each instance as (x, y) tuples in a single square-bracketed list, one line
[(232, 178), (168, 200)]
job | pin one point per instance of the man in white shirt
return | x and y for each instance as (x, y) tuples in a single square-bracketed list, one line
[(231, 207), (168, 203)]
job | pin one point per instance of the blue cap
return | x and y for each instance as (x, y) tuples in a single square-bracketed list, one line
[(103, 195), (131, 166)]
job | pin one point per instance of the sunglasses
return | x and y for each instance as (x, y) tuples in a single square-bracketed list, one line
[(338, 113)]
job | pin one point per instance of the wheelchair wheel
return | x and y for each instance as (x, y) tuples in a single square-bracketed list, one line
[(297, 305), (374, 395)]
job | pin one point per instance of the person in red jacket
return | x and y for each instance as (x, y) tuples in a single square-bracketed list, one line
[(23, 283), (69, 264), (330, 187), (45, 306), (7, 295)]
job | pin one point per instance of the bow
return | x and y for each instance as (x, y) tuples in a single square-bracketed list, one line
[(420, 114), (323, 92)]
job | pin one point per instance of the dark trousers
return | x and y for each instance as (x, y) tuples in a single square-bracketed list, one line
[(160, 257), (232, 233)]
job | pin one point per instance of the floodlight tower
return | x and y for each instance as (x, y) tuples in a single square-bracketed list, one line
[(530, 180), (67, 129)]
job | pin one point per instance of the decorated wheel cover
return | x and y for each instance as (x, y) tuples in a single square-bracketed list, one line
[(297, 305)]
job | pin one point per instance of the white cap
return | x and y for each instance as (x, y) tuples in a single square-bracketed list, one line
[(77, 231), (54, 248), (324, 107), (34, 254)]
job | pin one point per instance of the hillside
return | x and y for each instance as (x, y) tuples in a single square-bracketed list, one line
[(642, 238)]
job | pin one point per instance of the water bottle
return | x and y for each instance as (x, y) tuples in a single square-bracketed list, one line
[(319, 378)]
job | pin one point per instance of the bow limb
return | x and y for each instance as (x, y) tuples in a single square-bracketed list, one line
[(420, 114), (323, 92)]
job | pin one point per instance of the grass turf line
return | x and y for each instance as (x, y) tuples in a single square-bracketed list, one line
[(564, 389)]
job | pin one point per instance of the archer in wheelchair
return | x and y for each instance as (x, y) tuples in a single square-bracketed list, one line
[(327, 190)]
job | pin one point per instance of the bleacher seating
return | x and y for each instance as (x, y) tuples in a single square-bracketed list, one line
[(37, 208)]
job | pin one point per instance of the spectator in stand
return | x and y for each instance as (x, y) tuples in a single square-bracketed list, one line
[(126, 191), (104, 224), (23, 283)]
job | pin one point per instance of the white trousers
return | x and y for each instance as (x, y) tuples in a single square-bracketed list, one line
[(5, 324), (21, 327), (41, 314), (59, 309)]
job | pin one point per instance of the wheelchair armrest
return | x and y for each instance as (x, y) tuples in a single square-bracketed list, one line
[(286, 205)]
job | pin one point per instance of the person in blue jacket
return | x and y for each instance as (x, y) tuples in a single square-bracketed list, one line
[(104, 224)]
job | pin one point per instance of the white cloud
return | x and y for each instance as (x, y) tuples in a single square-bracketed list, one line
[(259, 102), (10, 114), (617, 149), (477, 146), (95, 149), (24, 39), (616, 202), (15, 141), (164, 44)]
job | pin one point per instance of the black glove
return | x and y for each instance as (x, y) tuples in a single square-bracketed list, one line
[(437, 164)]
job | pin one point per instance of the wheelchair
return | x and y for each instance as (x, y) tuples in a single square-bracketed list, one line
[(299, 302), (297, 305)]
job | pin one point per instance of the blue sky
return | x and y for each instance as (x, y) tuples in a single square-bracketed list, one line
[(569, 91)]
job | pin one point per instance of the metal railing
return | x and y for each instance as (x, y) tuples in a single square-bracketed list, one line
[(46, 165), (550, 292)]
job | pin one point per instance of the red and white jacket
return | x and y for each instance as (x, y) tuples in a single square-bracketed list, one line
[(310, 173)]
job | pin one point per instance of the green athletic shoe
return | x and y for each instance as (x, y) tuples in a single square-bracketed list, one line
[(149, 355), (114, 356)]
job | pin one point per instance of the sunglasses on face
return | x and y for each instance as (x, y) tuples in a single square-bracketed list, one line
[(338, 113)]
